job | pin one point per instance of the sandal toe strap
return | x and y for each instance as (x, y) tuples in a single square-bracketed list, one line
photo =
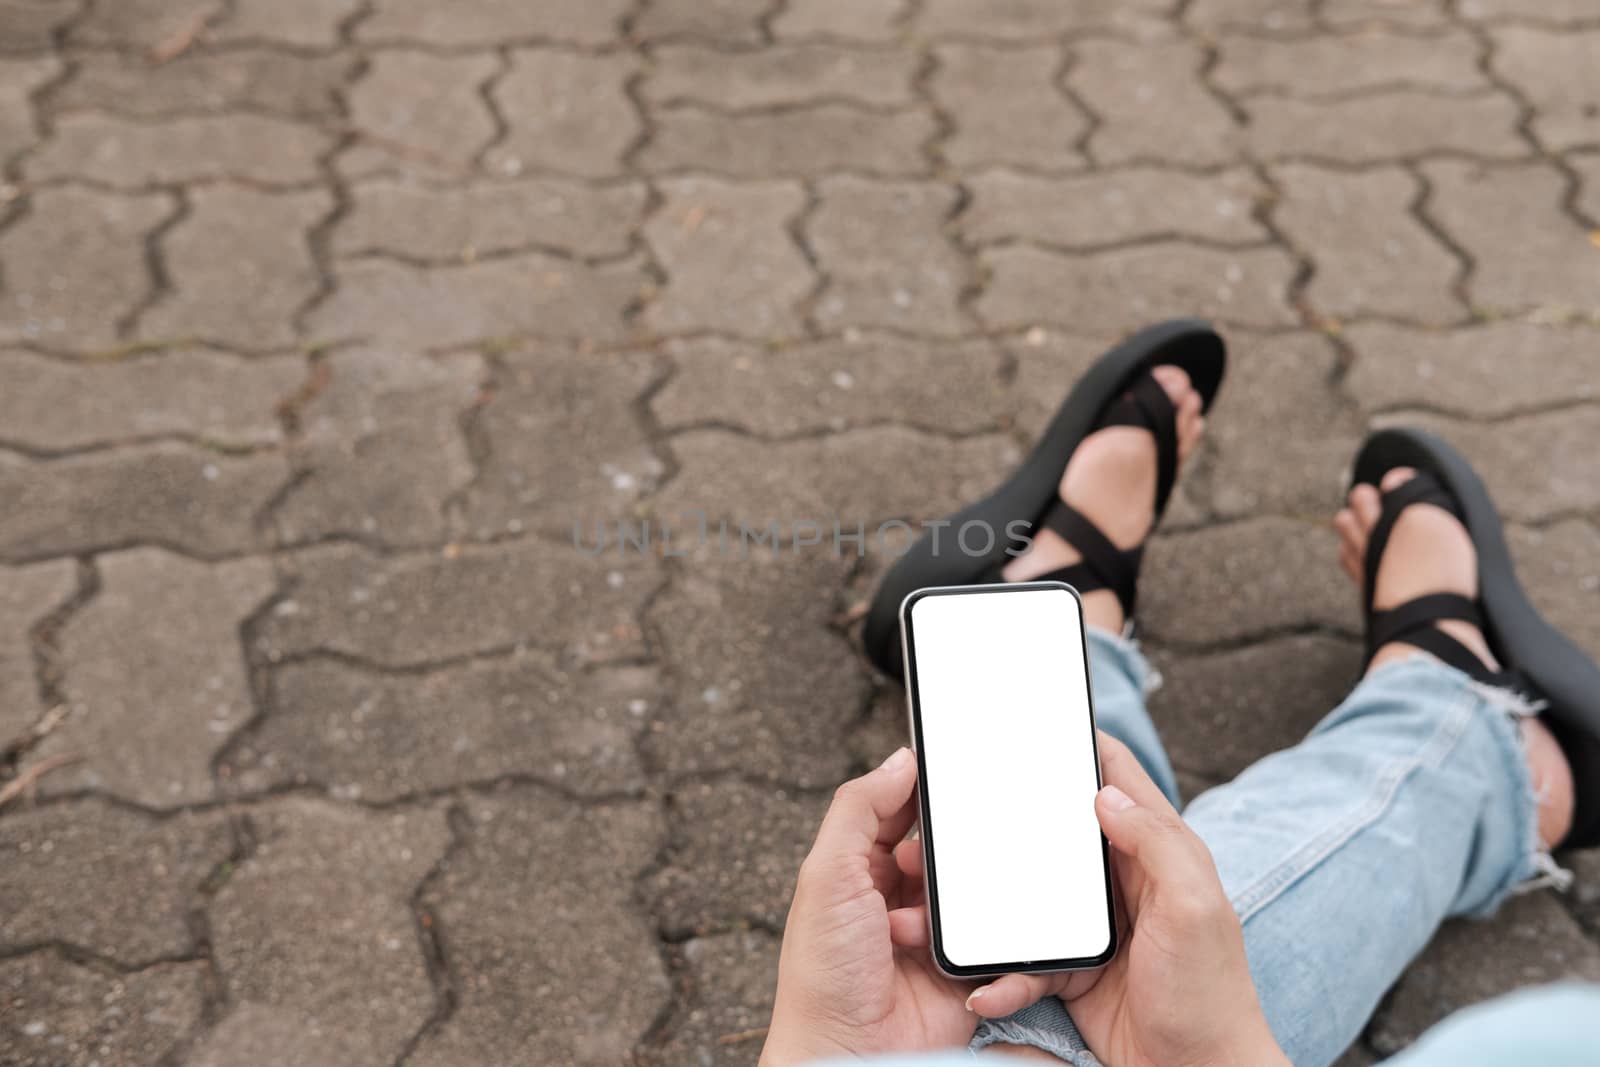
[(1412, 623), (1147, 406), (1104, 565)]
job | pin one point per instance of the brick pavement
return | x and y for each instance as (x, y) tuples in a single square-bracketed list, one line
[(320, 321)]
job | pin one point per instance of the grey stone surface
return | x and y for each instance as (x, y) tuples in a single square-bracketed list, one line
[(31, 25), (73, 265), (860, 379), (1384, 127), (240, 267), (1370, 256), (731, 260), (854, 20), (427, 607), (1492, 369), (19, 78), (27, 595), (316, 924), (564, 113), (543, 889), (1028, 20), (1348, 62), (139, 155), (1559, 565), (1554, 69), (1152, 105), (805, 141), (57, 405), (1007, 107), (488, 23), (150, 736), (305, 23), (63, 1013), (886, 258), (418, 113), (784, 75), (378, 402), (60, 859), (1139, 203), (145, 24), (193, 499), (728, 1000), (726, 21)]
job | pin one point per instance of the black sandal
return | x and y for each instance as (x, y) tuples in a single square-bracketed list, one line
[(1118, 390), (1540, 663)]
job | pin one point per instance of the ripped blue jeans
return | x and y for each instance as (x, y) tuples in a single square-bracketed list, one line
[(1409, 803)]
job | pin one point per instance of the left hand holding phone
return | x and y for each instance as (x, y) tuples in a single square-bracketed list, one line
[(1179, 993), (854, 976)]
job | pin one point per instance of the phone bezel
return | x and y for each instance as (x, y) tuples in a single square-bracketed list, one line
[(914, 708)]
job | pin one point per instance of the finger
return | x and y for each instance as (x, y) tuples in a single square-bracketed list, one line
[(874, 809), (908, 927), (1013, 992), (1121, 768), (908, 857), (1169, 854)]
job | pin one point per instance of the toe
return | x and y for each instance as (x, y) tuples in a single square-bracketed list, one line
[(1352, 543), (1397, 477), (1366, 504), (1175, 380)]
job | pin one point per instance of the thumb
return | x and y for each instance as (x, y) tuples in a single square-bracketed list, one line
[(1171, 856), (875, 809)]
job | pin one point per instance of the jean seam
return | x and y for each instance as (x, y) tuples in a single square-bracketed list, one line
[(1273, 883)]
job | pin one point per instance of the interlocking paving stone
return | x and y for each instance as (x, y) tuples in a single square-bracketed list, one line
[(1049, 363), (60, 859), (136, 155), (192, 499), (565, 443), (733, 21), (1131, 204), (1348, 62), (1526, 252), (261, 1034), (1274, 573), (316, 923), (1280, 436), (19, 78), (148, 736), (1124, 289), (400, 218), (420, 114), (1007, 108), (1548, 11), (1588, 170), (1491, 369), (716, 874), (1532, 940), (73, 266), (783, 75), (74, 1015), (883, 249), (27, 595), (377, 737), (1370, 255), (1554, 69), (240, 267), (29, 25), (862, 378), (419, 608), (1219, 712), (565, 113), (380, 402), (58, 404), (307, 23), (865, 20), (730, 475), (447, 307), (1539, 465), (256, 79), (807, 141), (1386, 126), (723, 1015), (732, 706), (1560, 567), (1033, 19), (490, 23), (1364, 14), (541, 891), (1251, 16), (1152, 104), (731, 262), (143, 23)]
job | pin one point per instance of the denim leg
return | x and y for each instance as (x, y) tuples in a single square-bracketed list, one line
[(1119, 678), (1411, 802)]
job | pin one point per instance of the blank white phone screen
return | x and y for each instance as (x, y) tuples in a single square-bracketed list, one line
[(1008, 748)]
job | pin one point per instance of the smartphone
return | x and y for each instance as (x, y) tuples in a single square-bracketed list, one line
[(1018, 873)]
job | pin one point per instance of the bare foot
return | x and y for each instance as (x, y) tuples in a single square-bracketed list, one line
[(1429, 551), (1111, 479)]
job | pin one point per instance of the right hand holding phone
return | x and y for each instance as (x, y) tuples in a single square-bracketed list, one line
[(1179, 993)]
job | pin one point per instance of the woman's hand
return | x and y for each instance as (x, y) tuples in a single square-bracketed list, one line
[(1178, 993), (845, 987)]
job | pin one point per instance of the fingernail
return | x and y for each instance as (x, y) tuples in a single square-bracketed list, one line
[(1116, 799), (897, 759), (975, 994)]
